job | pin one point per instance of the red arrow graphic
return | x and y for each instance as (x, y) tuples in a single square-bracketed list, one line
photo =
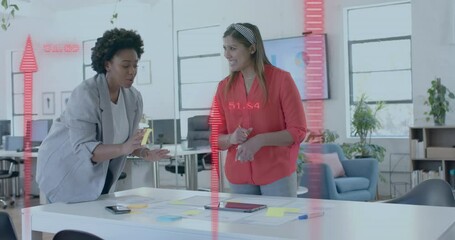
[(28, 67)]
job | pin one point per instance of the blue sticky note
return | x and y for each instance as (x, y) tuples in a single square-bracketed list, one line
[(168, 218)]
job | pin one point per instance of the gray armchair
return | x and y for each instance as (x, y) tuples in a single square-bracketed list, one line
[(359, 184)]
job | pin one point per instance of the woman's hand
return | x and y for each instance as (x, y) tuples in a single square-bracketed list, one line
[(239, 136), (133, 143), (246, 151), (155, 154)]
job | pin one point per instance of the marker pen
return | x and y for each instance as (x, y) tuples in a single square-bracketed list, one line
[(311, 215)]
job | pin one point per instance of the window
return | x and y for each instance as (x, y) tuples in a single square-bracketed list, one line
[(199, 66), (379, 63)]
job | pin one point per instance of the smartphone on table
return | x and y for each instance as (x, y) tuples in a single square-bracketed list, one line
[(118, 209)]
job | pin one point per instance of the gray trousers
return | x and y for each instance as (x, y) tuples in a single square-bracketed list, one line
[(284, 187)]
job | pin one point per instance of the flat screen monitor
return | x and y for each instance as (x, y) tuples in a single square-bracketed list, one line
[(5, 129), (40, 128), (164, 131), (291, 55)]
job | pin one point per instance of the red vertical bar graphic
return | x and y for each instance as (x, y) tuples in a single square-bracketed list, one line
[(28, 105), (28, 67), (214, 122), (314, 90)]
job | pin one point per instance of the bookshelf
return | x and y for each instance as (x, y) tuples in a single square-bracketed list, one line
[(432, 151)]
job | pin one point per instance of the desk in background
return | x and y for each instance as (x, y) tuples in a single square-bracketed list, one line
[(153, 179), (18, 156), (341, 220), (190, 157)]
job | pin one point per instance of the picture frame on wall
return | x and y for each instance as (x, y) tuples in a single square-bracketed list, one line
[(48, 102), (64, 97)]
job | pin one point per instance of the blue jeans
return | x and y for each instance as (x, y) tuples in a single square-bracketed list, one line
[(284, 187)]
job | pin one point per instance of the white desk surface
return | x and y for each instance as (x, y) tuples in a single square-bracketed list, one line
[(341, 220), (176, 149)]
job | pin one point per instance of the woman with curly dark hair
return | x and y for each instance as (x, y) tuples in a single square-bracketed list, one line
[(86, 148)]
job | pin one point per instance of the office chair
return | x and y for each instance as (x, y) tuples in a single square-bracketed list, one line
[(432, 192), (75, 235), (198, 131), (203, 163), (6, 227), (198, 136), (8, 172)]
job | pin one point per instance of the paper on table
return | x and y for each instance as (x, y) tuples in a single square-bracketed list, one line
[(192, 212), (275, 202), (135, 201), (272, 221), (146, 136), (199, 201)]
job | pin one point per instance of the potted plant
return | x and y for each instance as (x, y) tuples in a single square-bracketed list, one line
[(364, 123), (437, 101), (9, 11)]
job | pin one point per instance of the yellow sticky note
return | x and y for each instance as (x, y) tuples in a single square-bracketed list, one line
[(191, 212), (275, 212), (292, 210), (146, 136), (137, 206)]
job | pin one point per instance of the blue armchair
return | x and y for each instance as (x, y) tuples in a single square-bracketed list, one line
[(359, 184)]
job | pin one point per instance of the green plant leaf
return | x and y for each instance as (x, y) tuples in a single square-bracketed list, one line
[(5, 4), (14, 6)]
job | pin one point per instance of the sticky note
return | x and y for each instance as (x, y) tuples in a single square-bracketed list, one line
[(274, 212), (191, 212), (279, 212), (168, 218), (292, 210), (146, 136), (137, 206)]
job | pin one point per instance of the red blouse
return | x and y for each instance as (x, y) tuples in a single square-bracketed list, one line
[(282, 111)]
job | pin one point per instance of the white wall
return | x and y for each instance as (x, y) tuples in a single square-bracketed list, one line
[(433, 52), (63, 72)]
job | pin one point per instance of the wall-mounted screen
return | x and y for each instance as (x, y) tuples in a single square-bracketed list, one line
[(291, 55)]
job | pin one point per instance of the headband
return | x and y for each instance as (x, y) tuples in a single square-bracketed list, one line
[(246, 32)]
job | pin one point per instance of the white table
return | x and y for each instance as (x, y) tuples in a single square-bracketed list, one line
[(341, 220)]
